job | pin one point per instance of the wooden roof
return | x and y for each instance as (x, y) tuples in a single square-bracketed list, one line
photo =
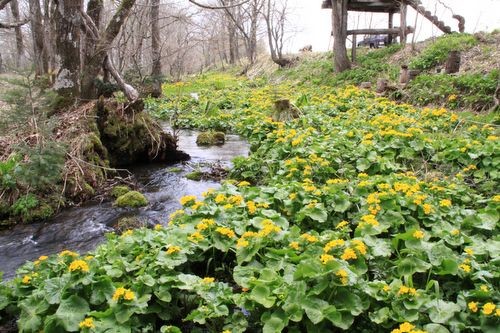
[(377, 6)]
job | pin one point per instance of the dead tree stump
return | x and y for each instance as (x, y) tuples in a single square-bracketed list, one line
[(404, 77), (382, 85), (452, 63)]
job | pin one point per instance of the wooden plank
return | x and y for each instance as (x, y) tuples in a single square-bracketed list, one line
[(393, 31)]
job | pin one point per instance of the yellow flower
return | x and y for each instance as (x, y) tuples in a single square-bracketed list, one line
[(295, 245), (42, 258), (342, 224), (455, 232), (484, 288), (368, 220), (158, 227), (472, 306), (360, 246), (452, 98), (251, 207), (79, 265), (176, 213), (124, 293), (226, 331), (187, 199), (226, 232), (195, 237), (419, 234), (386, 288), (342, 274), (87, 323), (406, 327), (292, 196), (243, 184), (445, 203), (465, 268), (349, 254), (26, 279), (129, 295), (208, 280), (427, 209), (242, 242), (309, 238), (173, 249), (469, 251), (333, 243), (197, 204), (220, 198), (67, 253), (488, 308), (325, 258)]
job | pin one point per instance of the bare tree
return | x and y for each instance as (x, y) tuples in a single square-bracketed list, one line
[(40, 58), (275, 15)]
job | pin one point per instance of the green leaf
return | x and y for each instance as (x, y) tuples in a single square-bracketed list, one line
[(488, 220), (163, 293), (436, 328), (275, 322), (71, 312), (262, 294), (317, 213), (380, 316), (440, 311), (410, 265)]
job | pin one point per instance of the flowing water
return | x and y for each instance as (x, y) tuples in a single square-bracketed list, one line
[(82, 228)]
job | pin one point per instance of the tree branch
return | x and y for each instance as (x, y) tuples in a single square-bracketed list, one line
[(13, 25), (4, 3), (217, 7)]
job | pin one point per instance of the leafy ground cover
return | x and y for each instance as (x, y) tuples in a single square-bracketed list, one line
[(362, 215)]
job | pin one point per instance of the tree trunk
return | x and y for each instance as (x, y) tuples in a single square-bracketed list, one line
[(49, 43), (14, 7), (103, 44), (155, 48), (39, 58), (68, 25), (339, 25)]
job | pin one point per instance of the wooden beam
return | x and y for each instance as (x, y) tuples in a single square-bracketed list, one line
[(393, 31), (353, 49)]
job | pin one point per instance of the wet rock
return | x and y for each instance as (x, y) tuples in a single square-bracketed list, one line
[(132, 199), (210, 138)]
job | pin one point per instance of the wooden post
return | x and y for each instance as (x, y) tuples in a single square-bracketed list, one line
[(353, 50), (339, 31), (453, 62), (402, 25), (391, 25)]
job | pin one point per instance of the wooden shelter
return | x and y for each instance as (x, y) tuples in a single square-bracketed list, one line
[(340, 9)]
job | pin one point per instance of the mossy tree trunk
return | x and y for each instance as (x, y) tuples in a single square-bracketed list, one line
[(339, 30)]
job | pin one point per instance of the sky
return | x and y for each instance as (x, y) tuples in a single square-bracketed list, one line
[(312, 24)]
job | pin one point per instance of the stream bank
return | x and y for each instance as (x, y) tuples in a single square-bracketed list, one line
[(83, 228)]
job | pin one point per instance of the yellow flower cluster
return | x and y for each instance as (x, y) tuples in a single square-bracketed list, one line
[(225, 232), (342, 274), (333, 243), (187, 199), (208, 280), (173, 249), (243, 184), (79, 265), (309, 238), (348, 254), (67, 253), (445, 203), (87, 323), (341, 224), (252, 208), (326, 258), (404, 290), (488, 308), (196, 237), (406, 327), (123, 293), (368, 220), (418, 234)]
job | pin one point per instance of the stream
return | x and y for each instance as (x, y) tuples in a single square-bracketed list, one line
[(82, 228)]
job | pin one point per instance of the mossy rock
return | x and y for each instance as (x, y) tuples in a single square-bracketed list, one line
[(195, 175), (131, 199), (210, 138), (42, 212), (119, 190), (127, 223)]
